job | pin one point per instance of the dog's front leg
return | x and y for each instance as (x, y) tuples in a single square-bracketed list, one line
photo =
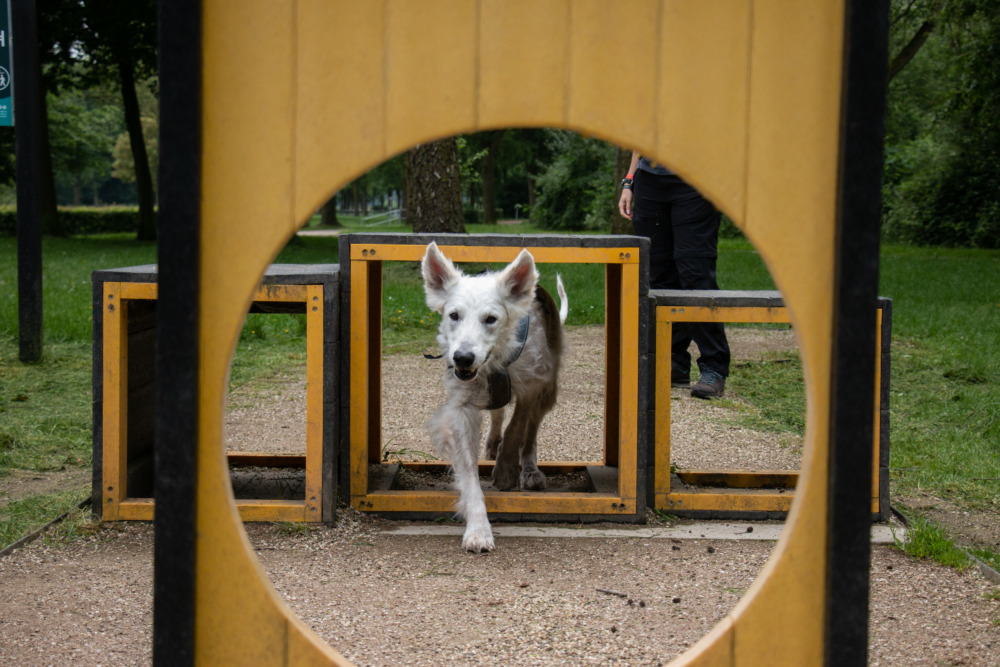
[(457, 430)]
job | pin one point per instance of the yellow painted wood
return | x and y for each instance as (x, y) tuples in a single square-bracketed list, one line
[(498, 501), (114, 444), (518, 91), (146, 291), (426, 46), (136, 509), (701, 124), (661, 402), (284, 293), (272, 510), (359, 380), (721, 314), (736, 502), (485, 253), (628, 427), (612, 79), (772, 168), (314, 403)]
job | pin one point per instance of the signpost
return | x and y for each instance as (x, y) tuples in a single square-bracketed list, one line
[(6, 68)]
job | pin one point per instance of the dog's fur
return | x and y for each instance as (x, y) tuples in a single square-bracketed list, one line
[(478, 337)]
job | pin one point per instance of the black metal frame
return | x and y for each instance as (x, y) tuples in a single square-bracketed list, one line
[(177, 400), (855, 294)]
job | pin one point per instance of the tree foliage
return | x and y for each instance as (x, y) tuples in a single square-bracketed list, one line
[(576, 191)]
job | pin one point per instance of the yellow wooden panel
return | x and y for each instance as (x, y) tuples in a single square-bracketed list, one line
[(661, 434), (114, 444), (340, 126), (612, 77), (713, 650), (138, 290), (432, 71), (314, 404), (136, 509), (721, 314), (703, 92), (287, 293), (497, 501), (485, 253), (737, 502), (247, 211), (271, 510), (519, 57), (628, 435), (359, 379)]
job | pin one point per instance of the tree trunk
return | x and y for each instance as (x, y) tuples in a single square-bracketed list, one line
[(907, 53), (434, 203), (328, 214), (48, 213), (143, 176), (623, 159), (489, 178)]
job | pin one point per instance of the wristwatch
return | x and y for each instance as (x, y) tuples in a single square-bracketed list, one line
[(626, 183)]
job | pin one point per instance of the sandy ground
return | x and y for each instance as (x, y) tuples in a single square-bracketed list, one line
[(386, 599)]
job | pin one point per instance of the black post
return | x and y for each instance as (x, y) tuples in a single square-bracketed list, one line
[(852, 390), (177, 344), (27, 142)]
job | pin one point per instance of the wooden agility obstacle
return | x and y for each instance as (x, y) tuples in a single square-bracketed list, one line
[(779, 124)]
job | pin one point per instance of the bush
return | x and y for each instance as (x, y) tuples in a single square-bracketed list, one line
[(81, 220), (577, 190)]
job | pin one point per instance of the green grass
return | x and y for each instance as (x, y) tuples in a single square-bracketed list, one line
[(926, 540), (21, 517)]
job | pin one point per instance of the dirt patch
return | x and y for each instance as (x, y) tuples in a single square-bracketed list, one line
[(968, 529), (21, 484)]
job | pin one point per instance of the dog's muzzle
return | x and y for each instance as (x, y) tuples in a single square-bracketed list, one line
[(465, 375)]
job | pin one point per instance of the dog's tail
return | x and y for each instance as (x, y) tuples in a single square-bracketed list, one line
[(563, 300)]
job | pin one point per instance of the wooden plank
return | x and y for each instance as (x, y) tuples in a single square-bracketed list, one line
[(741, 479), (661, 436), (147, 291), (285, 293), (729, 502), (359, 379), (721, 314), (542, 255), (271, 510), (115, 401), (628, 374), (314, 403), (497, 501), (135, 509)]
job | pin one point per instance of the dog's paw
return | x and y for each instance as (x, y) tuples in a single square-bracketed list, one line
[(478, 540), (504, 477), (533, 480)]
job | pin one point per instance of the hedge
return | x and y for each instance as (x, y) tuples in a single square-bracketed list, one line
[(81, 220)]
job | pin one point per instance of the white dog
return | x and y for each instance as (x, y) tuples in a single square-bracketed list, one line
[(501, 336)]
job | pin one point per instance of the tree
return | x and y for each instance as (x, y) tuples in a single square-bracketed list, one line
[(433, 200), (328, 213), (577, 190), (81, 131)]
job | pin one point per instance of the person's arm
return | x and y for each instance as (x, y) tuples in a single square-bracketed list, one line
[(625, 203)]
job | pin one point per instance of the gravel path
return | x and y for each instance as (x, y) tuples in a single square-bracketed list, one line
[(385, 599)]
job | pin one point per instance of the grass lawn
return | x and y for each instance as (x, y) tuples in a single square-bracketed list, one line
[(945, 368)]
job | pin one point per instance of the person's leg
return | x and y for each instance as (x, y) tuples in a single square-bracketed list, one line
[(696, 231), (652, 218)]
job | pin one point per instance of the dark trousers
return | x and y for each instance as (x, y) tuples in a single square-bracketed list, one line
[(683, 231)]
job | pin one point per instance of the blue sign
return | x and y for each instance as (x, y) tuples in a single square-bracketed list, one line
[(6, 68)]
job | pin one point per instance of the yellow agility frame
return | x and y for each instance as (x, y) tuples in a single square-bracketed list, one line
[(736, 497), (116, 504), (755, 123), (621, 436)]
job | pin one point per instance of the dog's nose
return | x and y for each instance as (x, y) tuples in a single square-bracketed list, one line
[(463, 359)]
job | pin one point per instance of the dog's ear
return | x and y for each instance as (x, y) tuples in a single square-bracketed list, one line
[(519, 278), (440, 275)]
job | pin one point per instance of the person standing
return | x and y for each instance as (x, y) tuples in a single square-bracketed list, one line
[(683, 231)]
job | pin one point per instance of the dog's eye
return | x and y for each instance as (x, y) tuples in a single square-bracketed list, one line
[(490, 319), (454, 317)]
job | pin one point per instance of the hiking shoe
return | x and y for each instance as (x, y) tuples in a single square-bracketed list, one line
[(710, 385), (679, 378)]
